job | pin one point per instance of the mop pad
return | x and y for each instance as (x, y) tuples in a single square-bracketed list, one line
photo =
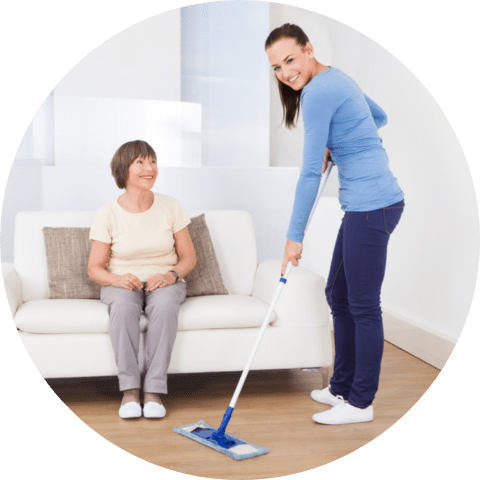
[(227, 444)]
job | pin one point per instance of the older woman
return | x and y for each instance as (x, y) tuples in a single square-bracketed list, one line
[(342, 122), (141, 251)]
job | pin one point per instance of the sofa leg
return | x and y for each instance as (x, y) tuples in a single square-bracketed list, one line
[(326, 373)]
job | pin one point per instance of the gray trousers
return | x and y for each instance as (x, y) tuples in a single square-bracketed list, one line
[(125, 308)]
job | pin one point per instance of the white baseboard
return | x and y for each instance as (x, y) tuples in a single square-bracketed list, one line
[(432, 347), (429, 346)]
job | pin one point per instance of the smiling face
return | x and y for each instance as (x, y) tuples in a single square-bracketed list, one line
[(142, 173), (293, 65)]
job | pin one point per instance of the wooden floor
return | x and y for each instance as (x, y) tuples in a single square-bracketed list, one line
[(273, 411)]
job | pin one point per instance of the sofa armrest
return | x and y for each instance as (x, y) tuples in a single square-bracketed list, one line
[(13, 287), (302, 302)]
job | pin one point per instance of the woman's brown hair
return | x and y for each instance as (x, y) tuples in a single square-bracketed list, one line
[(289, 97), (125, 156)]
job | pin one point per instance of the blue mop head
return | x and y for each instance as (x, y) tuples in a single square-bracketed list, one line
[(227, 444)]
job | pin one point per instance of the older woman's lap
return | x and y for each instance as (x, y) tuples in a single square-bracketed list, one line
[(125, 308)]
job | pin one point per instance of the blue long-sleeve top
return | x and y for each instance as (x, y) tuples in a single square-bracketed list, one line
[(338, 116)]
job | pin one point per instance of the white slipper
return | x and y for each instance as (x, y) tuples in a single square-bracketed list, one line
[(130, 410), (154, 410), (344, 413)]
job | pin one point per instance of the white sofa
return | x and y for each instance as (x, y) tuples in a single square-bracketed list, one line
[(69, 338)]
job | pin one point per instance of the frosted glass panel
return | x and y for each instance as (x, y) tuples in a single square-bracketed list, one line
[(224, 67), (37, 143), (88, 130)]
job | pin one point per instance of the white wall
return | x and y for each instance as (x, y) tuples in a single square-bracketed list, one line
[(433, 254), (22, 192), (147, 53)]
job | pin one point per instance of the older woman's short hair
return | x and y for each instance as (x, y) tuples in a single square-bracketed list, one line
[(125, 156)]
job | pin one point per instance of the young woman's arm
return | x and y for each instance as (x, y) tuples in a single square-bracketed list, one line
[(318, 107)]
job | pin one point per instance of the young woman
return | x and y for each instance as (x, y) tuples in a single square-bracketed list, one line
[(141, 251), (341, 124)]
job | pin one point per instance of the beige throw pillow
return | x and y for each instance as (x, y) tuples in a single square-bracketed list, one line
[(68, 251), (205, 278)]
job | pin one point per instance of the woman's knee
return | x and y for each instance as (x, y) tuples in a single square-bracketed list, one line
[(124, 311), (163, 311), (164, 300), (336, 298), (116, 297), (366, 312)]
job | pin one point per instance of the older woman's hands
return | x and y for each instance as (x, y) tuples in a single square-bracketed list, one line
[(128, 282), (160, 280)]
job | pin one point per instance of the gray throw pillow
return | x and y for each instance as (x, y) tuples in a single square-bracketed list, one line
[(68, 251), (205, 278)]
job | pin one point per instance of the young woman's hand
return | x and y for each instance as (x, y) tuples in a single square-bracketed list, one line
[(128, 282), (293, 253), (160, 280), (326, 158)]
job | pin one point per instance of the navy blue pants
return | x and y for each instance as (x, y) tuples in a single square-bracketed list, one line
[(353, 293)]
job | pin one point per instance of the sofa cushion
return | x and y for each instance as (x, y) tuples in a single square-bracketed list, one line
[(91, 316), (219, 311), (62, 316), (67, 251), (205, 278)]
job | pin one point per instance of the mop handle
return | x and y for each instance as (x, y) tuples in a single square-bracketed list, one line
[(283, 280)]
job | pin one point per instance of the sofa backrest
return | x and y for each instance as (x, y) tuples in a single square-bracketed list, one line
[(232, 233)]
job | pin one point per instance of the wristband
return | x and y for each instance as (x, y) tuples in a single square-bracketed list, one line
[(175, 274)]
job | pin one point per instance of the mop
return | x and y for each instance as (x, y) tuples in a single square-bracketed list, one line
[(218, 439)]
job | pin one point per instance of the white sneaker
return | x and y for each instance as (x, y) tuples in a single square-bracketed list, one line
[(130, 410), (344, 413), (326, 397), (154, 410)]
